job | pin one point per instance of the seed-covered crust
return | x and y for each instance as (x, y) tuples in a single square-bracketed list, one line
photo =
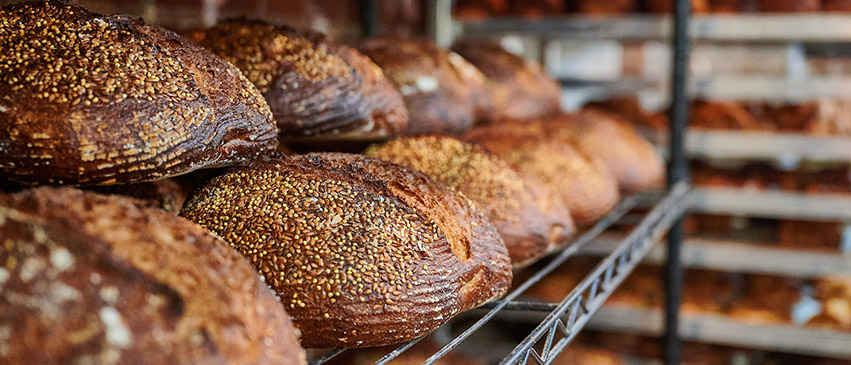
[(519, 88), (88, 278), (315, 87), (587, 189), (89, 99), (443, 92), (603, 136), (354, 263), (531, 223)]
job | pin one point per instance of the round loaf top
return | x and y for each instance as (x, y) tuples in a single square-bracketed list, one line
[(351, 259), (106, 279), (90, 99), (443, 92), (315, 87), (530, 228)]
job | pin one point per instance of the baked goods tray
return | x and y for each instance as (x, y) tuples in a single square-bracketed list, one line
[(738, 256), (772, 204), (785, 148), (567, 318), (810, 27)]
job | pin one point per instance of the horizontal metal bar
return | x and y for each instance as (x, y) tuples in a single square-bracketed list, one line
[(772, 204), (738, 256), (785, 148), (815, 28), (718, 329)]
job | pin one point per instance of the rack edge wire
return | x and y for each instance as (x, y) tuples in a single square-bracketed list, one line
[(584, 300)]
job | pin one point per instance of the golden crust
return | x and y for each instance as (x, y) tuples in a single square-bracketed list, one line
[(315, 87), (530, 224), (353, 262), (105, 279), (607, 138), (588, 191), (94, 100)]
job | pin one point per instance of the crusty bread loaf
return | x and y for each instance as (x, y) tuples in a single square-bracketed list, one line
[(443, 92), (316, 87), (630, 108), (531, 224), (837, 5), (789, 6), (168, 194), (519, 88), (605, 137), (589, 191), (479, 9), (605, 7), (90, 99), (89, 278), (536, 8), (360, 251), (667, 6), (723, 115)]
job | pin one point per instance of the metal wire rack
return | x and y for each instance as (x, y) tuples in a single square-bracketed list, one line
[(567, 318)]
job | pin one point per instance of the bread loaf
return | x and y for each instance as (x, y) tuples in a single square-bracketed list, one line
[(789, 6), (443, 92), (588, 191), (723, 115), (605, 137), (530, 221), (667, 6), (315, 87), (519, 88), (605, 7), (167, 194), (360, 251), (88, 278), (89, 99)]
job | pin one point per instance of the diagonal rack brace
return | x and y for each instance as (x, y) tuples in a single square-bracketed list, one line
[(571, 315)]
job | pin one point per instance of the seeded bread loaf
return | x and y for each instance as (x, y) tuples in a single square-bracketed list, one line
[(587, 189), (530, 221), (88, 278), (519, 88), (605, 137), (316, 88), (95, 100), (443, 92), (360, 251)]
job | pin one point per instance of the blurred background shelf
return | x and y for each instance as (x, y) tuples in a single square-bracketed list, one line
[(758, 145), (772, 204), (813, 27), (716, 329), (740, 257)]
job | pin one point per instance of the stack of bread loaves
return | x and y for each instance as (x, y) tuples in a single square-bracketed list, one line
[(358, 250)]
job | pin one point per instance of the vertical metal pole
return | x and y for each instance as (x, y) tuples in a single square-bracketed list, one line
[(440, 26), (369, 18), (677, 170)]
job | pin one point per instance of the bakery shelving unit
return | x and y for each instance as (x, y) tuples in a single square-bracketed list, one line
[(783, 149), (568, 317)]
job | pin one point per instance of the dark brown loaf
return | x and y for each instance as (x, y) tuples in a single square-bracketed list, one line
[(588, 191), (357, 259), (88, 278), (531, 224), (315, 87), (443, 92), (519, 88), (89, 99), (168, 194), (605, 137), (789, 6)]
